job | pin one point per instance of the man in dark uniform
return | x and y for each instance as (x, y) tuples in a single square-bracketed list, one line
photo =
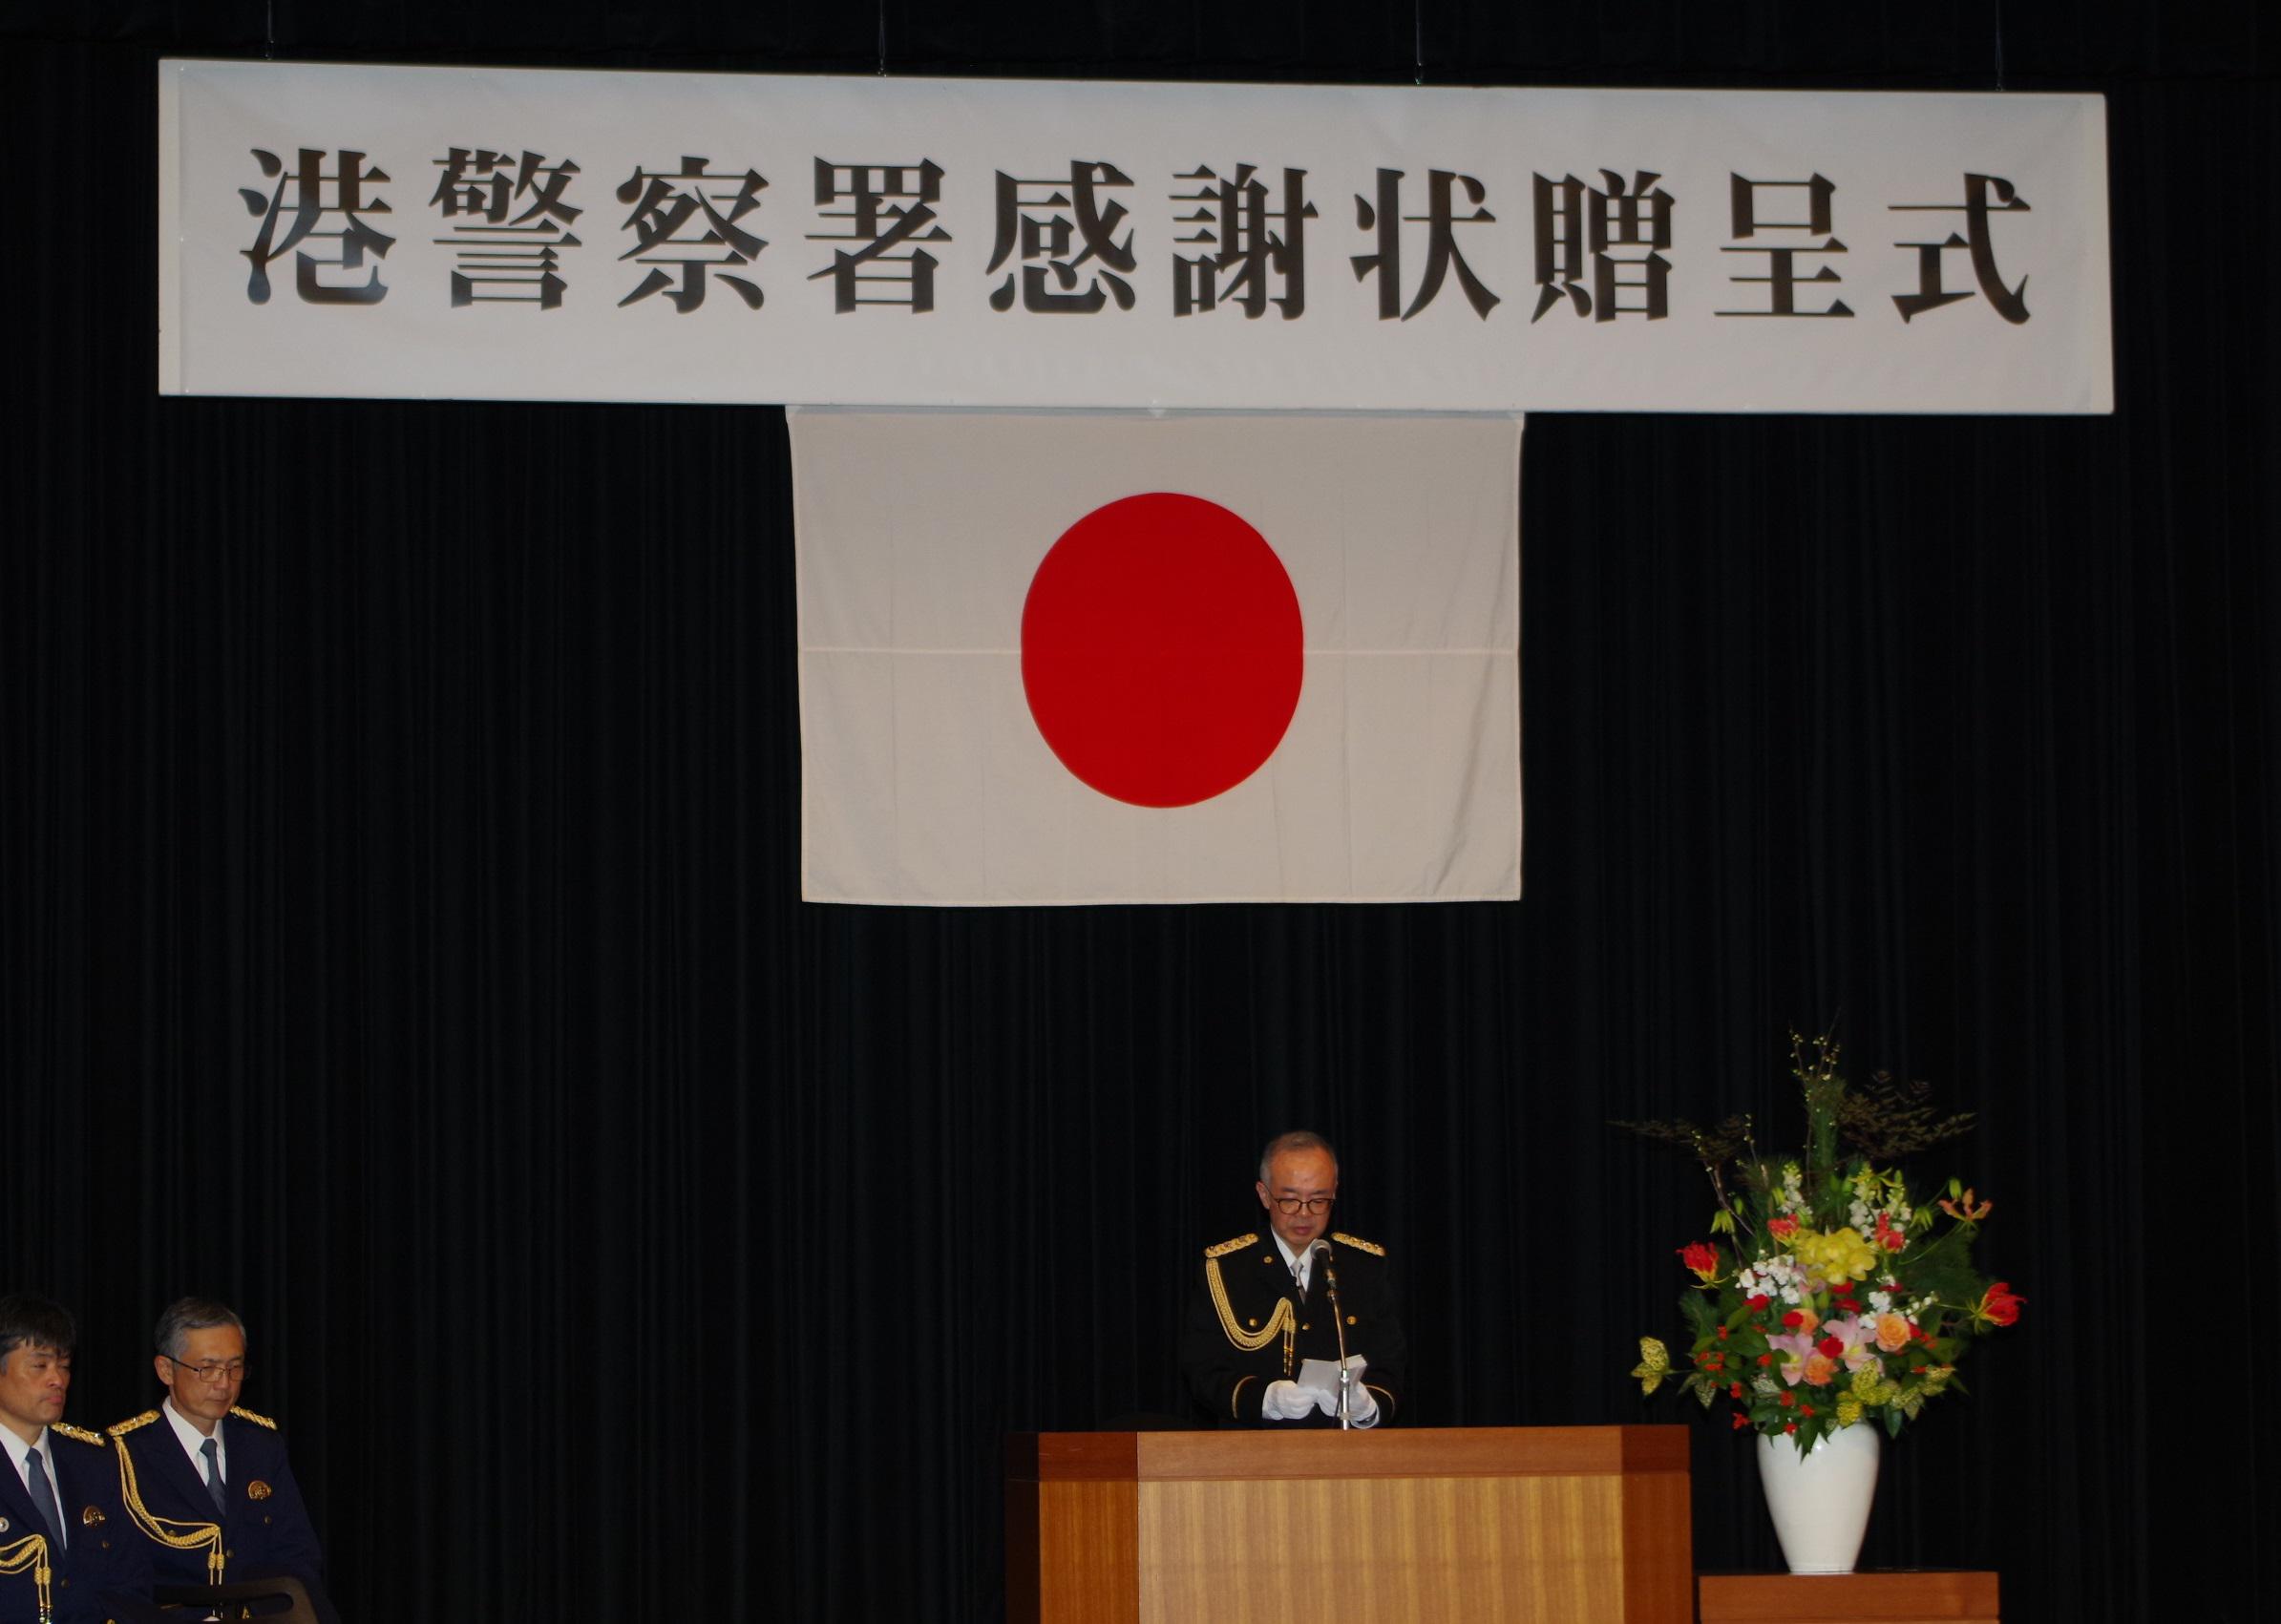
[(59, 1505), (208, 1482), (1263, 1306)]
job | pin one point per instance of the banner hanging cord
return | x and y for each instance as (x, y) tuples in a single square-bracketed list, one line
[(1999, 45), (882, 39), (270, 31), (1418, 36)]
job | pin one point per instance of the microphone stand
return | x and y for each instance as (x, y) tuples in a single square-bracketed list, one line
[(1330, 1281)]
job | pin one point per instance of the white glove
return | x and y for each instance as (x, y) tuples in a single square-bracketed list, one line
[(1287, 1400)]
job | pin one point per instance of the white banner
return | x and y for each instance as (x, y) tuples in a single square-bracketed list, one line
[(513, 233)]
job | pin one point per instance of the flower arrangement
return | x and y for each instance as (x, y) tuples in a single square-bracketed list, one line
[(1836, 1298)]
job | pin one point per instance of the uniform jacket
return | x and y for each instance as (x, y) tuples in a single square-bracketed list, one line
[(1248, 1325), (104, 1561), (266, 1529)]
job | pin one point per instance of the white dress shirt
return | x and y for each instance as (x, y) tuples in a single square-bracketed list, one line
[(1301, 1264), (194, 1443)]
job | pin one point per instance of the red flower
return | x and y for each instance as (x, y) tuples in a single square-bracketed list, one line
[(2001, 1305), (1784, 1399), (1702, 1258), (1722, 1333), (1793, 1319), (1766, 1359), (1829, 1347), (1805, 1409), (1741, 1420), (1736, 1391), (1783, 1227), (1758, 1302), (1789, 1426)]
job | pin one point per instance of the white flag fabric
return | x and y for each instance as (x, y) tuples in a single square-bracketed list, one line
[(1130, 657)]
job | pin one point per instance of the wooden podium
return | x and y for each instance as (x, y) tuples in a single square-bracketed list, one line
[(1545, 1524)]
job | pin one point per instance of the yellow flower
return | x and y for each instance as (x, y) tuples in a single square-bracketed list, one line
[(1849, 1410), (1655, 1363), (1839, 1256)]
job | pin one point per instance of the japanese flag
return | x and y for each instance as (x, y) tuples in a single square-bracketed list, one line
[(1125, 656)]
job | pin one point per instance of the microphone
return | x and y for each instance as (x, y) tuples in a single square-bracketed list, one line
[(1330, 1281)]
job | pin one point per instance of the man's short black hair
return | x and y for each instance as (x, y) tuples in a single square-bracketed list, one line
[(189, 1313), (35, 1322)]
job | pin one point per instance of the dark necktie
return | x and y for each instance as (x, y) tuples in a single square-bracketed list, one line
[(213, 1472), (43, 1499)]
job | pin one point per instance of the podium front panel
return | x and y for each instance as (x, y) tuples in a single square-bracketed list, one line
[(1471, 1526)]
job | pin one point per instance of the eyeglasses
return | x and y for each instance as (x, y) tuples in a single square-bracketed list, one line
[(1291, 1206), (213, 1370)]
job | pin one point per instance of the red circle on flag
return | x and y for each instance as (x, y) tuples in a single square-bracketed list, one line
[(1162, 649)]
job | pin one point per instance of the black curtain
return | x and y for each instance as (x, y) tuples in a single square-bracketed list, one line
[(400, 932)]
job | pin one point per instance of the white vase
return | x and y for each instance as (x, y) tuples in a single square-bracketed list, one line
[(1820, 1501)]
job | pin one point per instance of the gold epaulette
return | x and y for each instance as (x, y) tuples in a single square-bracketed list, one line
[(79, 1432), (1227, 1246), (1359, 1244), (126, 1426), (257, 1419)]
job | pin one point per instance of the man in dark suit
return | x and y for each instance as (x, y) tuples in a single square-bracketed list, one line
[(1263, 1306), (208, 1482), (62, 1527)]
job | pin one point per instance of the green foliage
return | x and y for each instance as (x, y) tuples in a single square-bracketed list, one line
[(1943, 1270), (1702, 1315), (1824, 1091)]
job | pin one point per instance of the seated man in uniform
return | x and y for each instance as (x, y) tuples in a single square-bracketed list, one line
[(206, 1482), (1263, 1306), (59, 1506)]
